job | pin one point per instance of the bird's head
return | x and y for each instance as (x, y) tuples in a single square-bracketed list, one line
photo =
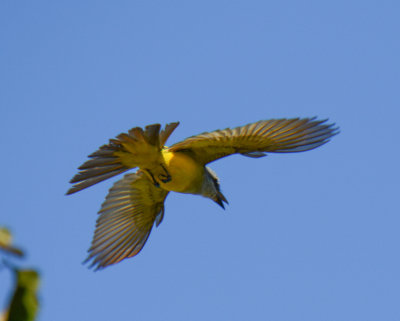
[(211, 188)]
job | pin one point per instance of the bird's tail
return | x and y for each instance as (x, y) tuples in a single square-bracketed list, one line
[(136, 148)]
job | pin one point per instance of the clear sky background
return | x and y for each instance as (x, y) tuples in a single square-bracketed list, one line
[(308, 236)]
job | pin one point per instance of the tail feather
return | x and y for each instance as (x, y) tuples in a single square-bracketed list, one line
[(128, 150), (98, 162), (152, 134), (166, 132), (92, 181)]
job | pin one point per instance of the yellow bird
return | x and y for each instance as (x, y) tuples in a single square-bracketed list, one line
[(136, 202)]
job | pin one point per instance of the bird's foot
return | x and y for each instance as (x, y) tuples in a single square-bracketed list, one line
[(156, 184), (164, 178)]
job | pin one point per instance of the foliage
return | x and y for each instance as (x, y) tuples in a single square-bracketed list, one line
[(24, 304)]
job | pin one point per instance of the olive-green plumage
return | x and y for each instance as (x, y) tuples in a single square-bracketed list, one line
[(136, 202)]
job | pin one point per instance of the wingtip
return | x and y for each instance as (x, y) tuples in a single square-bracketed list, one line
[(69, 192), (92, 263)]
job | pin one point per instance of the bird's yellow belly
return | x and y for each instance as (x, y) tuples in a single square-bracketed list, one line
[(186, 174)]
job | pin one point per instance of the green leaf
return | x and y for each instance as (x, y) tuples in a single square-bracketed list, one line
[(6, 242), (24, 303)]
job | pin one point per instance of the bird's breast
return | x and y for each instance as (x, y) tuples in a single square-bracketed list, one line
[(186, 174)]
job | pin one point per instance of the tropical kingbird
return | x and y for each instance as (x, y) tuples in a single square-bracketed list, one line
[(136, 202)]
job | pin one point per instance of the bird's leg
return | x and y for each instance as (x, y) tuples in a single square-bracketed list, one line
[(165, 178), (156, 184)]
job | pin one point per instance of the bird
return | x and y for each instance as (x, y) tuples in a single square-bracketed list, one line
[(135, 203)]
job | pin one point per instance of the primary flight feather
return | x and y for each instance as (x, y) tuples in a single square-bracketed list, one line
[(136, 202)]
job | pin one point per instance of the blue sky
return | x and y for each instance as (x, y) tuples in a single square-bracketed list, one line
[(308, 236)]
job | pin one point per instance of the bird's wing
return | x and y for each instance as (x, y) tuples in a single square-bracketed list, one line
[(137, 148), (126, 218), (253, 140)]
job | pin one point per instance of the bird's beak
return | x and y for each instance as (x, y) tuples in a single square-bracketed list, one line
[(220, 199)]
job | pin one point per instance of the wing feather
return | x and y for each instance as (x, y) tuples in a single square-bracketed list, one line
[(273, 136), (126, 219)]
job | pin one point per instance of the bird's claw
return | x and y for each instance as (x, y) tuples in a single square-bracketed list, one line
[(164, 178)]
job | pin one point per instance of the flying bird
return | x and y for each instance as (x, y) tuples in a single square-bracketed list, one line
[(136, 202)]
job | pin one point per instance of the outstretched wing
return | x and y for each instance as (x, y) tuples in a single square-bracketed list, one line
[(126, 218), (137, 148), (253, 140)]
